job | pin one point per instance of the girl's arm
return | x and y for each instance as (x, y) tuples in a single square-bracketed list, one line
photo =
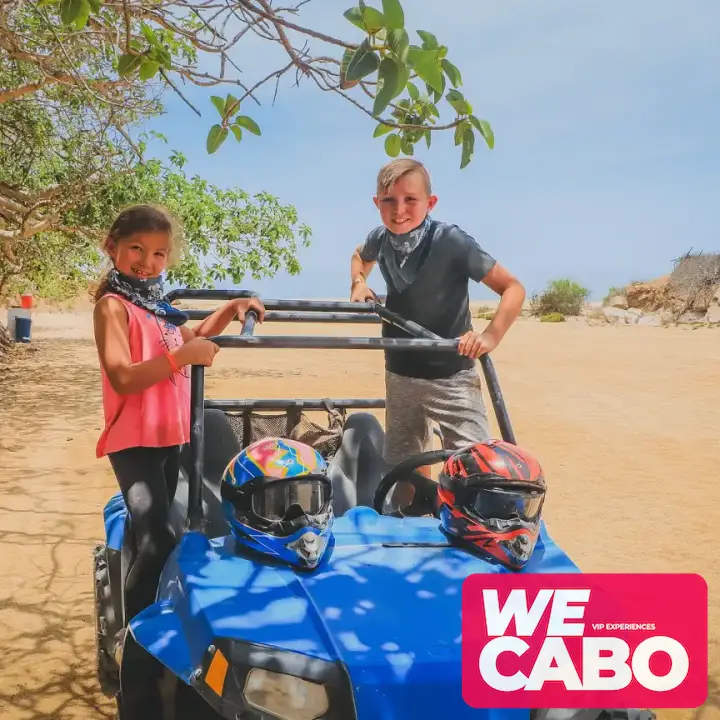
[(223, 316), (111, 337)]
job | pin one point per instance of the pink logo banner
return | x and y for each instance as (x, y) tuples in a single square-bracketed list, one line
[(585, 641)]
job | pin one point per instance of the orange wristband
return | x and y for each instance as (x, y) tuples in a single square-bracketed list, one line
[(172, 363)]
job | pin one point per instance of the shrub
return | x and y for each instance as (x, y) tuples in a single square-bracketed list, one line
[(562, 296), (553, 317), (612, 292)]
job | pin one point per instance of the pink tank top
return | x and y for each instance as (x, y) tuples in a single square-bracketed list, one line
[(159, 416)]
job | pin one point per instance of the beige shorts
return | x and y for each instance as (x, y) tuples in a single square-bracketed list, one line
[(455, 404)]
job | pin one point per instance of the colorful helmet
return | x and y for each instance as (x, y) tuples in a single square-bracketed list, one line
[(491, 497), (277, 500)]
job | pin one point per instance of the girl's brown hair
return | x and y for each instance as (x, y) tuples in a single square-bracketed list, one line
[(140, 219)]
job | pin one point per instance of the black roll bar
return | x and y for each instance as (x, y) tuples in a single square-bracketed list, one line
[(309, 311), (300, 403)]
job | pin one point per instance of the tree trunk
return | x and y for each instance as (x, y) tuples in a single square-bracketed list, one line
[(5, 342)]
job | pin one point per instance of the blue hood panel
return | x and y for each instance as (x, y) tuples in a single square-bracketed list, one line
[(390, 614)]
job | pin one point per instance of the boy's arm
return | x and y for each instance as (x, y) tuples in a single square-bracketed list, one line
[(361, 265), (483, 268), (512, 297), (359, 271)]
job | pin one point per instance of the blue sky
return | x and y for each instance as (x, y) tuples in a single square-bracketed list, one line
[(607, 157)]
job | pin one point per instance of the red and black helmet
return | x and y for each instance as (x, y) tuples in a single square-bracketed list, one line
[(491, 497)]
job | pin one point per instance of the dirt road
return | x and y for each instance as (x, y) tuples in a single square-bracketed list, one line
[(625, 422)]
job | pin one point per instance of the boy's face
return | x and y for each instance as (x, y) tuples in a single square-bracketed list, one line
[(404, 206)]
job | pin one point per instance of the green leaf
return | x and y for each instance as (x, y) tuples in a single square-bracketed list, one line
[(413, 91), (485, 130), (381, 130), (70, 10), (399, 42), (127, 64), (355, 16), (248, 124), (407, 146), (442, 52), (433, 110), (373, 20), (393, 145), (403, 78), (468, 147), (146, 30), (387, 83), (219, 104), (148, 69), (95, 5), (452, 72), (427, 67), (429, 40), (237, 132), (163, 56), (394, 15), (230, 102), (458, 102), (83, 14), (216, 137), (363, 63), (346, 58), (428, 138)]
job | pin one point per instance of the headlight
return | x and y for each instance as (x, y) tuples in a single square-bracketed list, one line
[(247, 680), (285, 696)]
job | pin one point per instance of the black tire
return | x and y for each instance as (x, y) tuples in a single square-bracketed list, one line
[(107, 669)]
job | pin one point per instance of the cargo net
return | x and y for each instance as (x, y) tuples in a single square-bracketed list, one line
[(250, 425)]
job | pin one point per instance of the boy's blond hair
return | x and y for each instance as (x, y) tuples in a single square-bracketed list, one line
[(393, 171)]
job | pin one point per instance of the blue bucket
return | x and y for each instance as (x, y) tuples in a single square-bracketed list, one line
[(22, 329)]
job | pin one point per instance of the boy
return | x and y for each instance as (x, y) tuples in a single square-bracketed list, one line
[(427, 266)]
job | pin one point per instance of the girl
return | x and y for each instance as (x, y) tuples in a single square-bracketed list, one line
[(144, 351)]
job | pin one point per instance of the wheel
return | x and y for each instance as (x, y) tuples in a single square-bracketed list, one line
[(107, 669)]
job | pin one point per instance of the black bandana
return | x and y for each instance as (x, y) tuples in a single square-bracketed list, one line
[(147, 294)]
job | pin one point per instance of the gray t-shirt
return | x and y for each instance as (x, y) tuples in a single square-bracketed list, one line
[(445, 262)]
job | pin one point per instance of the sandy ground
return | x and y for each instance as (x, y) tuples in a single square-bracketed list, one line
[(624, 420)]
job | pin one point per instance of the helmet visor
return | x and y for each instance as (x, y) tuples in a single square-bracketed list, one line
[(505, 504), (280, 500)]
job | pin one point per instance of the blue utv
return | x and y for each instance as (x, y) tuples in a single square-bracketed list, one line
[(373, 633)]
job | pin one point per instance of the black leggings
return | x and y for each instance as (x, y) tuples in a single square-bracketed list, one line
[(148, 479)]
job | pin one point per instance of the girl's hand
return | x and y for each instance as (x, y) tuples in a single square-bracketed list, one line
[(242, 306), (198, 351)]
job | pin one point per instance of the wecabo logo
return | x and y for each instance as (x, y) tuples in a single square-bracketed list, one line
[(572, 641)]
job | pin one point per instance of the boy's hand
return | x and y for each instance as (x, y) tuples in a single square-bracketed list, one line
[(361, 293), (242, 306), (473, 344)]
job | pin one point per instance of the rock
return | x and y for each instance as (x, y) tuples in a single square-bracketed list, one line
[(595, 317), (713, 311), (650, 296), (691, 317), (618, 301), (615, 315), (650, 320)]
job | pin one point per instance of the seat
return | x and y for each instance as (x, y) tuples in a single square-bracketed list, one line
[(355, 470)]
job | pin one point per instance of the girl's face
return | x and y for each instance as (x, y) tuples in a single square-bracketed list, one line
[(142, 255)]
